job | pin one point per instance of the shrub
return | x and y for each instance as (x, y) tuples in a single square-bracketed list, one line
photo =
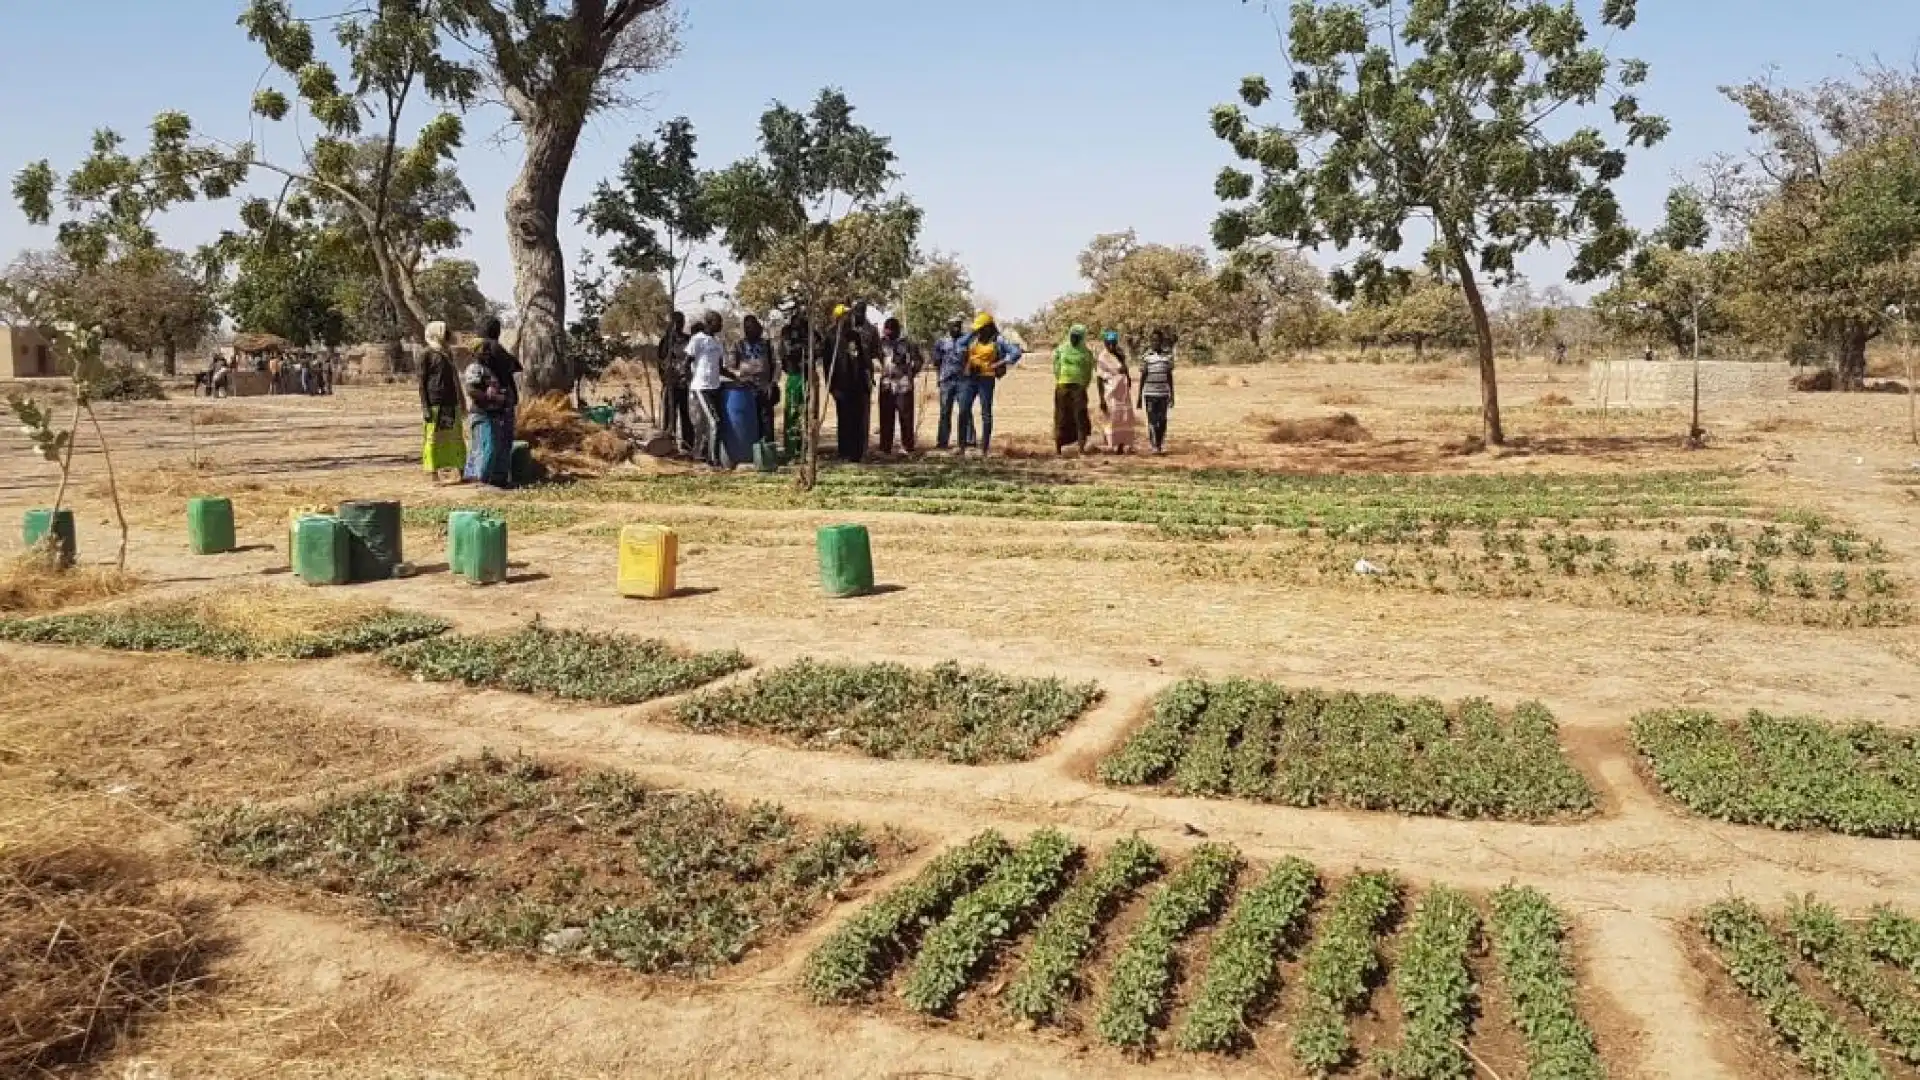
[(125, 382)]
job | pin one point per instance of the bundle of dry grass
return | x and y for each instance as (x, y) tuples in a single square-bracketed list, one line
[(1554, 401), (273, 615), (1344, 427), (87, 944), (565, 445), (33, 583)]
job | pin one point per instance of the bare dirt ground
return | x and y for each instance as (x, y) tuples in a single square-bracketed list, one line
[(307, 991)]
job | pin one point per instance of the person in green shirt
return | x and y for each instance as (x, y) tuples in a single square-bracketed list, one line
[(1072, 373)]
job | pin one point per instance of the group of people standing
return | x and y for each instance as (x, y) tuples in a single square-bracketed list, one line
[(483, 398), (1075, 370), (860, 365)]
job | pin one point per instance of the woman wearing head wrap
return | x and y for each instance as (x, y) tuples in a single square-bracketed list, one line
[(1116, 393), (440, 405), (850, 379), (1072, 371)]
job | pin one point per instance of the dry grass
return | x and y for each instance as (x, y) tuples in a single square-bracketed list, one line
[(564, 444), (1344, 427), (1345, 397), (272, 614), (119, 742), (88, 942), (34, 584), (608, 447), (1555, 401), (214, 416), (1432, 375)]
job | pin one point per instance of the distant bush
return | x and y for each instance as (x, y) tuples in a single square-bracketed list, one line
[(1238, 353), (124, 382)]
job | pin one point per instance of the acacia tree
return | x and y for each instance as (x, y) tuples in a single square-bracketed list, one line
[(790, 203), (939, 291), (1442, 112)]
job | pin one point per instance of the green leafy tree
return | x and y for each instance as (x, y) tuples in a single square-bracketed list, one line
[(790, 205), (939, 291), (285, 281), (657, 214), (1829, 204), (1432, 311), (639, 307), (1138, 288), (450, 289), (1671, 290), (1452, 113), (148, 300), (1272, 295)]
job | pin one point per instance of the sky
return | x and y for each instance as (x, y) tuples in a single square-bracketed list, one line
[(1023, 127)]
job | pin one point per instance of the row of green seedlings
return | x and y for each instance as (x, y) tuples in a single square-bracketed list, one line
[(1786, 772), (1847, 959), (980, 896), (1258, 741)]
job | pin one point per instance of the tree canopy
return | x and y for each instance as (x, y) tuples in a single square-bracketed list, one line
[(1452, 114), (940, 290)]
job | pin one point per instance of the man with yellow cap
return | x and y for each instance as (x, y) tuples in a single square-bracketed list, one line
[(850, 378), (988, 357)]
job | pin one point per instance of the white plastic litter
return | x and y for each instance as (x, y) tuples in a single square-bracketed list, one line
[(1367, 569)]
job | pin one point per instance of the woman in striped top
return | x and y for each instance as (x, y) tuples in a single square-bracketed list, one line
[(1156, 388)]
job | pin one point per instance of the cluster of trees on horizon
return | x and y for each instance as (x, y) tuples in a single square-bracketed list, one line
[(1427, 147)]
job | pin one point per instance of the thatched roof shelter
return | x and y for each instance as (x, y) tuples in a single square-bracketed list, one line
[(255, 344)]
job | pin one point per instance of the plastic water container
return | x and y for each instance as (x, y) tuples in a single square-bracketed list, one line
[(486, 551), (373, 532), (36, 525), (846, 560), (649, 562), (460, 525), (741, 428), (293, 522), (322, 551), (210, 525)]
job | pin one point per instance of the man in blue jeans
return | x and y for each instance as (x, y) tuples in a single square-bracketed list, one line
[(950, 363), (987, 359)]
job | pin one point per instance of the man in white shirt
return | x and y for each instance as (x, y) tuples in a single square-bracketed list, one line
[(706, 353)]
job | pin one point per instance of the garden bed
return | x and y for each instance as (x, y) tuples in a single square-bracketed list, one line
[(968, 716), (1262, 742), (1786, 772), (513, 855), (1832, 992), (240, 624), (607, 669), (1207, 955)]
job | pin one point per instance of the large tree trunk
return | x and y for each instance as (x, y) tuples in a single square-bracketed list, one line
[(170, 358), (533, 240), (1850, 356)]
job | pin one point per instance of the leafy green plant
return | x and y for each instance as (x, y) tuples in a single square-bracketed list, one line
[(1340, 968), (852, 963), (169, 627), (1530, 939), (1002, 905), (576, 665), (1245, 961), (1785, 772), (1436, 991), (1371, 752), (500, 854), (1154, 749), (1143, 973), (1047, 982), (1895, 938), (1759, 965), (967, 716), (1846, 961)]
